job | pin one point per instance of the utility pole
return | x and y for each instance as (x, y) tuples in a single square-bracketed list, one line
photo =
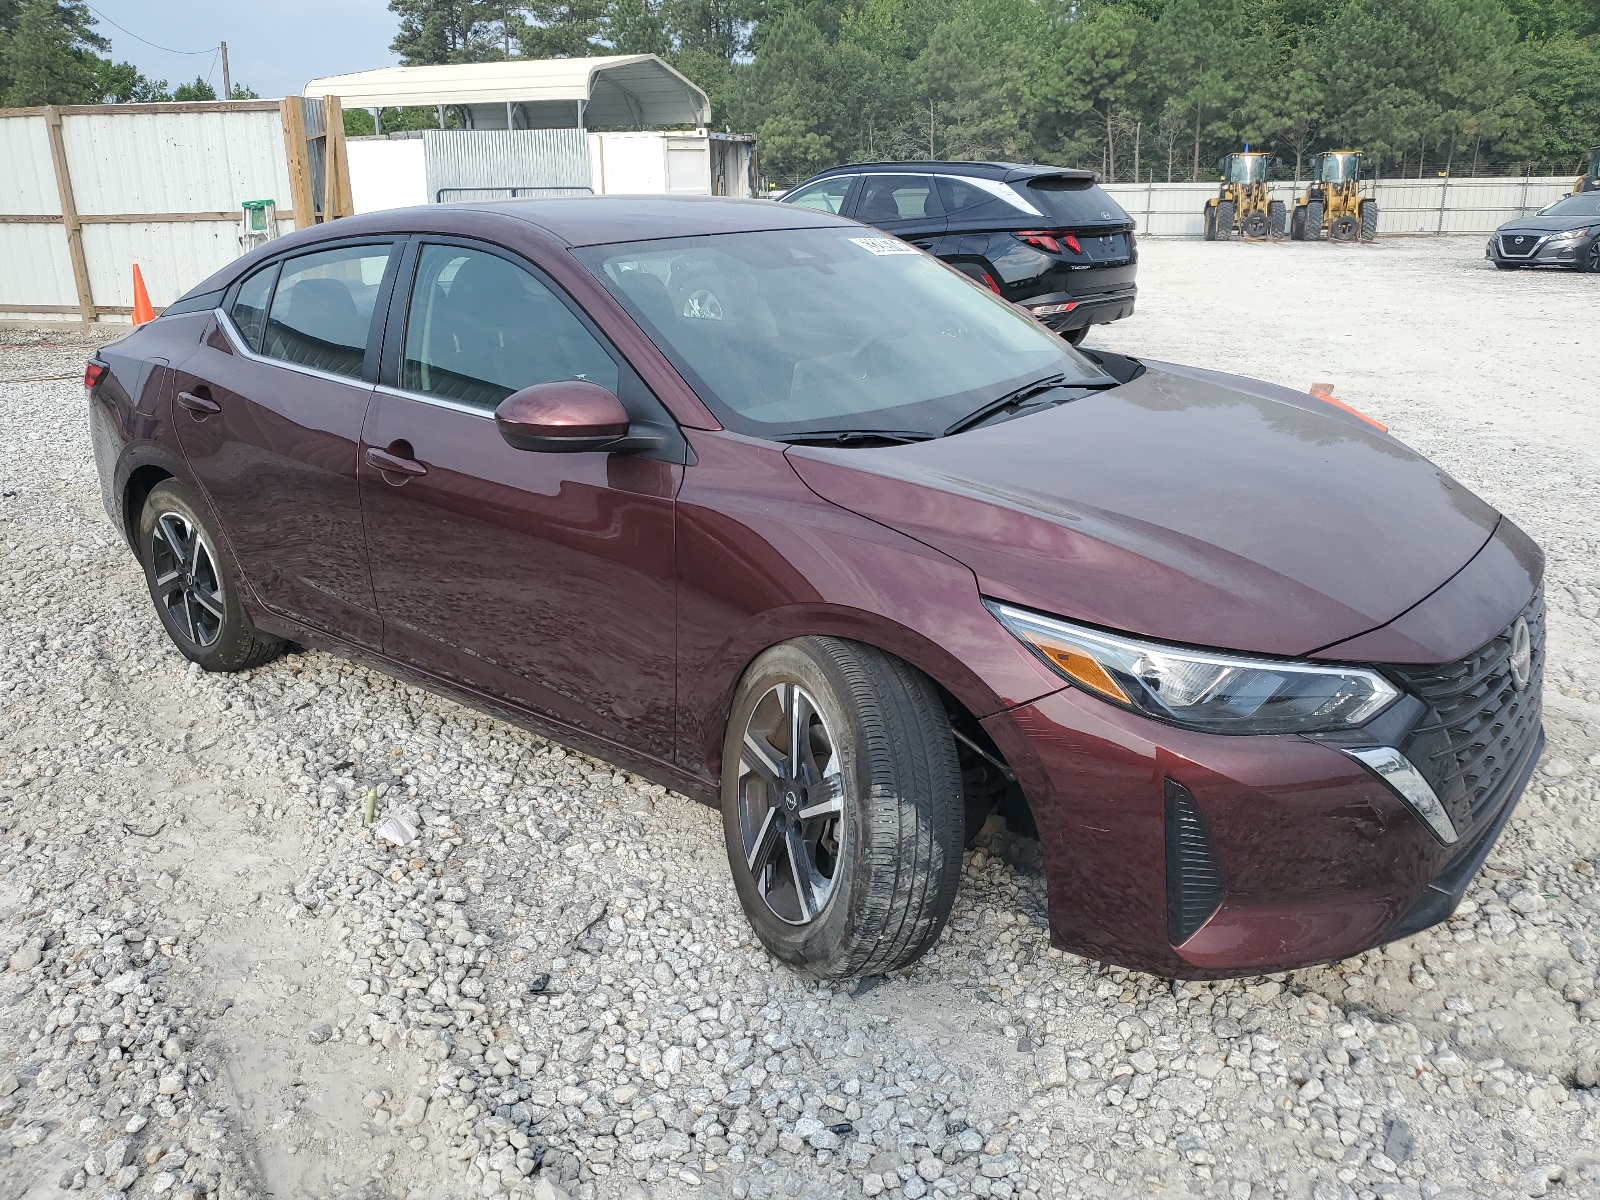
[(227, 80)]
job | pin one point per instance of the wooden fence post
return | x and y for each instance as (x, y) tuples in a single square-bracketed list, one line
[(336, 198), (294, 148), (69, 214)]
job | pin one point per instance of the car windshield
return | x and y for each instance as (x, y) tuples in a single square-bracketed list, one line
[(1247, 168), (1340, 168), (788, 331), (1584, 204)]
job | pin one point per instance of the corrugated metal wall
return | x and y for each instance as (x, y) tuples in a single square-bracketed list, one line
[(1404, 206), (484, 164), (130, 163)]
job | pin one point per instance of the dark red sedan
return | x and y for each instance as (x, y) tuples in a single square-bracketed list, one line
[(793, 518)]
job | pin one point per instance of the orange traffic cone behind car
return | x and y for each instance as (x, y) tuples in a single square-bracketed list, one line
[(142, 309)]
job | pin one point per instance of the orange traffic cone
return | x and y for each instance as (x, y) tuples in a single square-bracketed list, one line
[(142, 309)]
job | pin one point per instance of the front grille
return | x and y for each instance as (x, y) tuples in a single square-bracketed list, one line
[(1519, 245), (1479, 723), (1194, 877)]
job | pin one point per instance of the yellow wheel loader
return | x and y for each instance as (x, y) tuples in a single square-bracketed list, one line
[(1589, 181), (1333, 206), (1241, 202)]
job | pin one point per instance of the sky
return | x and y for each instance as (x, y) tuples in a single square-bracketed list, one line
[(274, 46)]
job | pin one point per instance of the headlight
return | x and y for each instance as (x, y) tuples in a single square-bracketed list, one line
[(1202, 689), (1571, 235)]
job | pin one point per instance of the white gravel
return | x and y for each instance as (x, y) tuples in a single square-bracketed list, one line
[(220, 982)]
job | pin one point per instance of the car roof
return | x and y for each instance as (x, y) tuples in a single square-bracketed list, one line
[(984, 170), (598, 220)]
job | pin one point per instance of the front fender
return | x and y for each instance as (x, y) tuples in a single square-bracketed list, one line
[(763, 559)]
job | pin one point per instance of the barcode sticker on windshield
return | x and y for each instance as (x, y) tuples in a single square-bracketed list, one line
[(884, 245)]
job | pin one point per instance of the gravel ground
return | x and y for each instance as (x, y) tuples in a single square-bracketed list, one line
[(221, 982)]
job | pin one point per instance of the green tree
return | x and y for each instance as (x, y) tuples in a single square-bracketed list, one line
[(197, 89), (1287, 104), (1093, 71), (451, 31), (1200, 49), (48, 56), (124, 83)]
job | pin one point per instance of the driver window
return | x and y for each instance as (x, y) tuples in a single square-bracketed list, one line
[(479, 328)]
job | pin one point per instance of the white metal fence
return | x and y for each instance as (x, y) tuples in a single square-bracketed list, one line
[(86, 191), (1404, 205)]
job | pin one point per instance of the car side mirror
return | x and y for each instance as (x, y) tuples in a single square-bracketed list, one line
[(570, 416)]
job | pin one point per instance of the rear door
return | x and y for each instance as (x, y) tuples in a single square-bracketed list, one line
[(269, 414), (904, 205)]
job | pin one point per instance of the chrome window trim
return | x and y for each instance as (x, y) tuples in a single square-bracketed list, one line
[(436, 401), (236, 339)]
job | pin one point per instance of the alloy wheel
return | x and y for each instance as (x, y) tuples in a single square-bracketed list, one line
[(791, 804), (186, 581), (1592, 262)]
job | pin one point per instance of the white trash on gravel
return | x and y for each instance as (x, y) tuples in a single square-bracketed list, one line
[(219, 983)]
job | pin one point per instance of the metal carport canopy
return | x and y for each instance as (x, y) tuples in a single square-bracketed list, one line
[(620, 89)]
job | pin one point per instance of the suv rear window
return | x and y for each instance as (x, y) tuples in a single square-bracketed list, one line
[(1071, 201)]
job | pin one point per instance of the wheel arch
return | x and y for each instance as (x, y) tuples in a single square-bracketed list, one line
[(140, 483), (968, 700)]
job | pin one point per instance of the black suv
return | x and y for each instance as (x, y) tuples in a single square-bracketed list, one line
[(1045, 238)]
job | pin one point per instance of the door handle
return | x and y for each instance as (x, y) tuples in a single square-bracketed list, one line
[(394, 464), (201, 405)]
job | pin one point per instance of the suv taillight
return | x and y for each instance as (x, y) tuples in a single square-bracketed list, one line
[(1052, 240), (93, 374)]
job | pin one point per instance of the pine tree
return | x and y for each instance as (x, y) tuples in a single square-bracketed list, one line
[(48, 55)]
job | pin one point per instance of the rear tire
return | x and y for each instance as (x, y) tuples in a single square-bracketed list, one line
[(1276, 213), (1209, 217), (1297, 224), (1314, 214), (192, 582), (1224, 218), (1075, 336), (1369, 220), (880, 854)]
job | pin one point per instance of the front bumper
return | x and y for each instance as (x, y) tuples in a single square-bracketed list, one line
[(1315, 859), (1063, 311), (1536, 250)]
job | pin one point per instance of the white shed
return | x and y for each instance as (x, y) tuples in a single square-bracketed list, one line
[(630, 90)]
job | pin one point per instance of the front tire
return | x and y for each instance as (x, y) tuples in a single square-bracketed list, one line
[(1369, 220), (842, 807), (1589, 262), (1209, 218), (192, 583), (1314, 215), (1275, 218), (1224, 218), (1297, 224)]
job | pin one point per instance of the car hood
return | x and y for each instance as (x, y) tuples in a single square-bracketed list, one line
[(1186, 505), (1549, 224)]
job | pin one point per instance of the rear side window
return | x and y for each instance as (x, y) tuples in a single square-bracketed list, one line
[(479, 328), (322, 310), (249, 311), (1072, 201), (896, 198), (972, 201), (825, 196)]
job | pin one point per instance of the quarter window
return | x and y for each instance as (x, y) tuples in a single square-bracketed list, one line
[(480, 328), (249, 311), (322, 311)]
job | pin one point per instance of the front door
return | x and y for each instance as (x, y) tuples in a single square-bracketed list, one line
[(543, 579), (269, 412)]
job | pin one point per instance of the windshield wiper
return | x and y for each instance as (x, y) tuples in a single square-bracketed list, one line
[(1018, 397), (844, 437)]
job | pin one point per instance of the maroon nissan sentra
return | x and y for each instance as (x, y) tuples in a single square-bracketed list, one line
[(791, 517)]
